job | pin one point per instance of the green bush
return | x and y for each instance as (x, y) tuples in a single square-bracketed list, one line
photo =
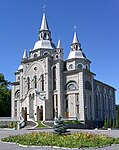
[(12, 125)]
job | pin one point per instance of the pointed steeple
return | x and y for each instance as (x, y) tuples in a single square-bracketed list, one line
[(25, 56), (44, 32), (76, 51), (59, 51), (75, 43), (44, 36), (75, 39), (44, 24), (59, 44)]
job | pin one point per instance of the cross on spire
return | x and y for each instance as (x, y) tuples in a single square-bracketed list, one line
[(74, 27), (44, 8)]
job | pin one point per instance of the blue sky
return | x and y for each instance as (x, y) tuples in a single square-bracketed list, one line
[(97, 24)]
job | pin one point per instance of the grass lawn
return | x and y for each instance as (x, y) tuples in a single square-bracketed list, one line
[(74, 140), (40, 125)]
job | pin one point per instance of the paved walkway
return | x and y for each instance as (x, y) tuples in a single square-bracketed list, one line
[(9, 146)]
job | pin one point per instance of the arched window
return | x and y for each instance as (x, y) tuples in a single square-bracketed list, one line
[(71, 66), (80, 66), (35, 68), (45, 35), (72, 85), (33, 96), (54, 78), (88, 86), (42, 82), (35, 81), (46, 53), (18, 79), (28, 82), (17, 94), (76, 47), (35, 55), (56, 57), (86, 67)]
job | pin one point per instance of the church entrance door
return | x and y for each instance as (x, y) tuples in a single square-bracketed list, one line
[(24, 113), (31, 106), (40, 113)]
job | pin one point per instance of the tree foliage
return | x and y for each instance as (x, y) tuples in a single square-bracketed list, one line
[(109, 123), (117, 116), (59, 126), (5, 97)]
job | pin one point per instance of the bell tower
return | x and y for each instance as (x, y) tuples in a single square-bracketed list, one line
[(44, 33)]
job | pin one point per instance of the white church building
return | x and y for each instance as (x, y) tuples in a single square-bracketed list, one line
[(47, 86)]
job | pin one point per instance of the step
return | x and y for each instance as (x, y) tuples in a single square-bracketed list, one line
[(30, 125), (48, 123)]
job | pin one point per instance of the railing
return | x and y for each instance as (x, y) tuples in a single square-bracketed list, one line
[(4, 121), (21, 124), (9, 119)]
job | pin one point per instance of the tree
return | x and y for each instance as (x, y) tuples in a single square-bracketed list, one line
[(117, 116), (59, 126), (105, 123), (5, 97)]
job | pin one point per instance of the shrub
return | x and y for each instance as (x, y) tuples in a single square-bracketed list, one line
[(59, 126)]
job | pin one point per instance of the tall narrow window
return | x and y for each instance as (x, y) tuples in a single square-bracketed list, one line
[(80, 66), (45, 35), (90, 105), (66, 106), (53, 104), (54, 78), (28, 82), (66, 98), (77, 109), (88, 86), (15, 112), (96, 105), (35, 81), (15, 104), (42, 82), (77, 97), (56, 105)]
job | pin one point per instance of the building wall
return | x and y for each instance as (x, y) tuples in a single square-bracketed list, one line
[(104, 101), (47, 86)]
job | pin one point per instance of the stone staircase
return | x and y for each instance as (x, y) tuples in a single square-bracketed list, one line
[(31, 124), (49, 123)]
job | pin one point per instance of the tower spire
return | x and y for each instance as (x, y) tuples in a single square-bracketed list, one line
[(44, 24), (25, 56), (59, 44), (75, 43), (75, 39)]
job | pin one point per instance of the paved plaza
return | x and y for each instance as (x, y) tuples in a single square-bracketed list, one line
[(12, 146)]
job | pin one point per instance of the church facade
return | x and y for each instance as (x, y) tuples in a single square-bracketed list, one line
[(47, 86)]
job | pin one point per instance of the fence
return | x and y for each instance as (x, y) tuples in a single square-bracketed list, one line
[(6, 121), (9, 119)]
